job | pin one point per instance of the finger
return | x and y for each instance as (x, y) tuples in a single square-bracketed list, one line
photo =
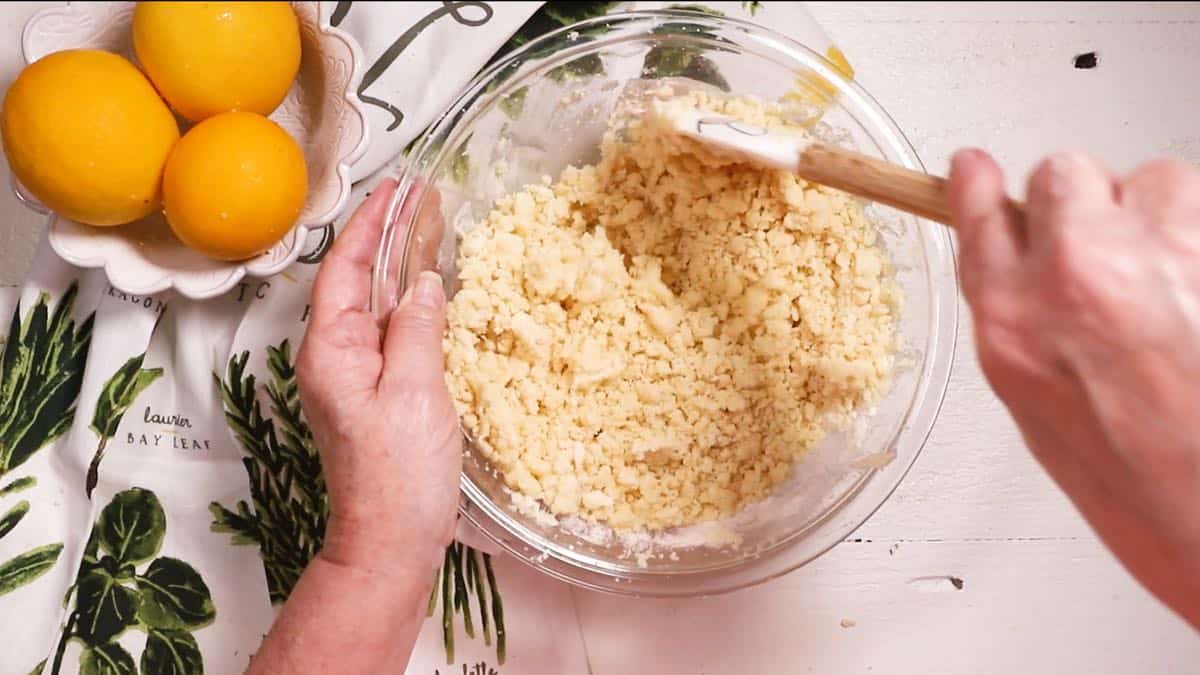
[(1165, 191), (343, 284), (1067, 190), (429, 227), (989, 232), (409, 246), (412, 348)]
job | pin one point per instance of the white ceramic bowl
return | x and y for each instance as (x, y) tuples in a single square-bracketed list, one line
[(322, 112)]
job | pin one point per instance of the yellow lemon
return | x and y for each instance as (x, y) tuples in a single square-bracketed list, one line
[(213, 57), (87, 135), (234, 185)]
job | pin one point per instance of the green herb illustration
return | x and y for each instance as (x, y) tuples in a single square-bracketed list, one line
[(679, 60), (18, 485), (291, 506), (514, 104), (460, 166), (461, 576), (118, 394), (24, 568), (41, 370), (286, 485), (550, 17), (167, 598)]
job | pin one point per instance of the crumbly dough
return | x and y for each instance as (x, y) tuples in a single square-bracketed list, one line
[(653, 341)]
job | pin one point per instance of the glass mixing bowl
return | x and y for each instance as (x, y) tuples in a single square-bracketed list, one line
[(546, 106)]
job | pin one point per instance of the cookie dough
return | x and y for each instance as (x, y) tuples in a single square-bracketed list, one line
[(652, 341)]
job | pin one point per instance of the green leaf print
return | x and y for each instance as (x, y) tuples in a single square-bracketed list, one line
[(460, 167), (91, 550), (22, 569), (550, 17), (41, 370), (118, 393), (497, 609), (30, 565), (171, 652), (513, 104), (14, 515), (106, 608), (168, 598), (241, 525), (131, 528), (584, 66), (291, 506), (475, 582), (675, 60), (461, 599), (447, 610), (173, 596), (37, 670), (699, 9), (18, 485), (459, 578), (566, 13), (107, 659)]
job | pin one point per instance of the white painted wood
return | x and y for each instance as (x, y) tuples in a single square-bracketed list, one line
[(1001, 76), (1024, 608)]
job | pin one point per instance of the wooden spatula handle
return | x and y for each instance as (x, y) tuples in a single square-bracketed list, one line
[(912, 191)]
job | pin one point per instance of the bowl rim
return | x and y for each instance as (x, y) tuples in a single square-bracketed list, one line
[(924, 404)]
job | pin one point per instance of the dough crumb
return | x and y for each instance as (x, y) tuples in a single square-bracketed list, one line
[(653, 341)]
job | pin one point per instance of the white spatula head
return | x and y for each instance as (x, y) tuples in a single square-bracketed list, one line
[(725, 134)]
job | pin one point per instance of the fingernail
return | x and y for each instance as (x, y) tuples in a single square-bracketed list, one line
[(428, 291)]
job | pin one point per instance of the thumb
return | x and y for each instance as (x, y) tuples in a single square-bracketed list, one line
[(989, 234), (412, 349)]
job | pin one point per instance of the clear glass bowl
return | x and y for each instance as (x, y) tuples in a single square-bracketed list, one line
[(544, 107)]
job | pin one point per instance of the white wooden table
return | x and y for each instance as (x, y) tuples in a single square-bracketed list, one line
[(1038, 593)]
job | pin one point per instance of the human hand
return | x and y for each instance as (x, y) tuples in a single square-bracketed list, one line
[(1087, 323), (390, 447), (379, 409)]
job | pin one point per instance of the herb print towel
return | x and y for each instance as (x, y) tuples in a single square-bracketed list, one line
[(160, 493)]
